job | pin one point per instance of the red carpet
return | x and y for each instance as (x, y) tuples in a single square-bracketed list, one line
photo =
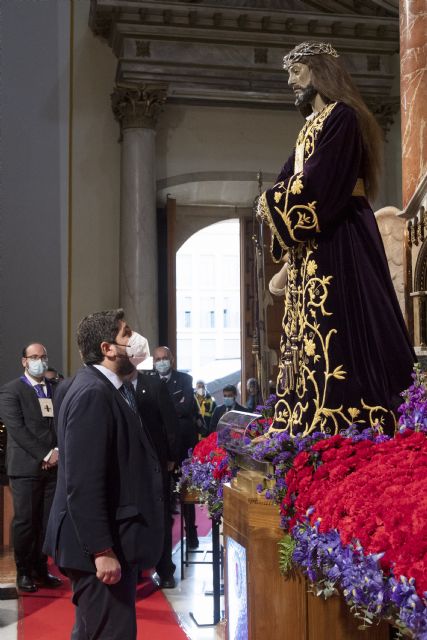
[(49, 614)]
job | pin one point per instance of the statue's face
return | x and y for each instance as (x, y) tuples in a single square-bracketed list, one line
[(300, 81)]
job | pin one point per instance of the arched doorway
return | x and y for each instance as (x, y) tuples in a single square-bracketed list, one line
[(208, 305)]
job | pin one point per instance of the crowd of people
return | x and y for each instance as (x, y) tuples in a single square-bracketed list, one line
[(93, 462)]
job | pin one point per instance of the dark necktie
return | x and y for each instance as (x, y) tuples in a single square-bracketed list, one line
[(129, 396), (39, 390)]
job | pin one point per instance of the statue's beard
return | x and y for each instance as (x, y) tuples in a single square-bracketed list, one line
[(304, 98)]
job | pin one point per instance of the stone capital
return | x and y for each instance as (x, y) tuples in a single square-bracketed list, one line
[(138, 106), (385, 110)]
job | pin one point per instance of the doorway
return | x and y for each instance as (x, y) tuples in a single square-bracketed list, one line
[(208, 306)]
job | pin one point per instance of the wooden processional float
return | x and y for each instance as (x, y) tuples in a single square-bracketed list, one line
[(260, 602)]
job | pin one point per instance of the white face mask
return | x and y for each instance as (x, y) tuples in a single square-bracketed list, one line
[(200, 391), (163, 367), (37, 368), (138, 348)]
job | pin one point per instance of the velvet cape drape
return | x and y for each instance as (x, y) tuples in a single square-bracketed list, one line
[(345, 354)]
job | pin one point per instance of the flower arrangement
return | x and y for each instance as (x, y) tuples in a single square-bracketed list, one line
[(210, 466), (413, 412), (206, 471), (354, 506)]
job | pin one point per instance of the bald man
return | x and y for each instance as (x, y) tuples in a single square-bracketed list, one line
[(26, 409)]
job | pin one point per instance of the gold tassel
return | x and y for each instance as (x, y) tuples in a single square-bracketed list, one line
[(289, 370), (294, 353)]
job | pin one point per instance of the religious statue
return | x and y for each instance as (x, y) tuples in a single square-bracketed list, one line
[(345, 354)]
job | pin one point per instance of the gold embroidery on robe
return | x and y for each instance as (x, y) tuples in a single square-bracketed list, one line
[(305, 369), (305, 305)]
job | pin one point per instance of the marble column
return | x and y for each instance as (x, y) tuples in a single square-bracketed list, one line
[(413, 90), (136, 109)]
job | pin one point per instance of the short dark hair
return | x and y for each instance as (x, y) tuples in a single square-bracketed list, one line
[(102, 326), (230, 387), (24, 350)]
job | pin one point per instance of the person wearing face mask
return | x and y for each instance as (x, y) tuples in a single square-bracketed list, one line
[(230, 404), (26, 410), (107, 516), (158, 414), (206, 402), (180, 388)]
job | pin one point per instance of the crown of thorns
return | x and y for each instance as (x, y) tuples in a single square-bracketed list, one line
[(308, 49)]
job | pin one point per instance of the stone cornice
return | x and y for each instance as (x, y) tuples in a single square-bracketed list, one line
[(225, 55), (138, 106), (222, 19)]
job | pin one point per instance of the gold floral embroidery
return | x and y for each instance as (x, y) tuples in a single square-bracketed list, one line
[(307, 137), (311, 267), (296, 187), (306, 372), (303, 394), (309, 346), (353, 412)]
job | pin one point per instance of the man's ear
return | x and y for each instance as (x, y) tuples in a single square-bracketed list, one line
[(107, 349), (23, 361)]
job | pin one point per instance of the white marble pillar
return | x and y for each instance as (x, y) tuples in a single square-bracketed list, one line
[(136, 109)]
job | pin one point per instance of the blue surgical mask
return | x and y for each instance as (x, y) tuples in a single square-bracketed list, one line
[(163, 367), (228, 402), (37, 368)]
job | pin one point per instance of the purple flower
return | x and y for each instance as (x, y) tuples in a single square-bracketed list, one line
[(366, 589)]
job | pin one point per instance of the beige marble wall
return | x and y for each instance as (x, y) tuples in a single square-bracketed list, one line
[(201, 139), (413, 74), (95, 179)]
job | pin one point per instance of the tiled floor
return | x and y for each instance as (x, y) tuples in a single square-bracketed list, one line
[(187, 597)]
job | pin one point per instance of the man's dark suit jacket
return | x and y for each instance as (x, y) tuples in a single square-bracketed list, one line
[(30, 436), (109, 491), (219, 412), (158, 414), (180, 387)]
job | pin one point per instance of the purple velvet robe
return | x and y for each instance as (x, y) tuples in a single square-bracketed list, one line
[(345, 354)]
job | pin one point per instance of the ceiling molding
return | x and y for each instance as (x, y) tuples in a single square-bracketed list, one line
[(230, 52)]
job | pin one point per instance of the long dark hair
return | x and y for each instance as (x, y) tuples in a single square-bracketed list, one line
[(335, 84)]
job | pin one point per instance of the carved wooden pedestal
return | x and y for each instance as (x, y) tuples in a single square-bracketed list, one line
[(277, 608)]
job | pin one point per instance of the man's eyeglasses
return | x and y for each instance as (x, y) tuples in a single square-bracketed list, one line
[(44, 358), (126, 346)]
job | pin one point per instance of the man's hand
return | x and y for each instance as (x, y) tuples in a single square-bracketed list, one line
[(108, 569), (53, 459)]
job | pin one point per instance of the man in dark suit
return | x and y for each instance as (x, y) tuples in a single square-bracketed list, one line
[(180, 387), (230, 404), (158, 414), (31, 461), (107, 514)]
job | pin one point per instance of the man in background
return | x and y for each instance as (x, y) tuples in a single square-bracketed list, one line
[(26, 410), (107, 515), (206, 403), (230, 404), (158, 414), (180, 388)]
